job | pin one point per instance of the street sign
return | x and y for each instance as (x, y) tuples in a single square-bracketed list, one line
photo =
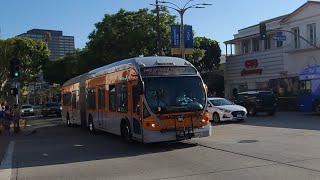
[(280, 38)]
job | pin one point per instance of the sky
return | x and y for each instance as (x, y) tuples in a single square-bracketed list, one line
[(77, 17)]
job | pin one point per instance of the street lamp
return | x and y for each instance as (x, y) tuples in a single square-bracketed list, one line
[(181, 11)]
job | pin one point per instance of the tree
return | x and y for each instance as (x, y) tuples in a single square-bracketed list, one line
[(128, 34), (118, 36), (206, 54), (33, 54)]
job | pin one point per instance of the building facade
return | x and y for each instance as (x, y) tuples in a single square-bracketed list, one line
[(254, 64), (58, 44)]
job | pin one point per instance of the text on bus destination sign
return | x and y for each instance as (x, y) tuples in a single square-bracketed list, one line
[(161, 71)]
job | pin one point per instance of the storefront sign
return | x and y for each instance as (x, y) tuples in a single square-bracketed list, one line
[(251, 63), (251, 68), (251, 72)]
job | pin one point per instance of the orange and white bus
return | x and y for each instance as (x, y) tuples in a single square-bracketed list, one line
[(147, 99)]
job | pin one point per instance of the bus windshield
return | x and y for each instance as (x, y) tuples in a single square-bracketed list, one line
[(174, 94), (305, 87)]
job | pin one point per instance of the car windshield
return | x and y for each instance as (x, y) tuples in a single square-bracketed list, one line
[(51, 104), (26, 107), (175, 94), (220, 102)]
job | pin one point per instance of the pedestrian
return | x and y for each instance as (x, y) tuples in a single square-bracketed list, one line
[(7, 118), (16, 118)]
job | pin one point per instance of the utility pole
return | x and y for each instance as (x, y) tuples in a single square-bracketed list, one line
[(159, 41)]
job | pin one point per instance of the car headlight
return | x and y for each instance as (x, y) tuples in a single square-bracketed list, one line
[(225, 111), (60, 108), (31, 110)]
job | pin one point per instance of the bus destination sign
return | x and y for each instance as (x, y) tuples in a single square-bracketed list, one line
[(164, 71)]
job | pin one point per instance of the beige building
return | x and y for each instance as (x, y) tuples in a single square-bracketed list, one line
[(254, 64)]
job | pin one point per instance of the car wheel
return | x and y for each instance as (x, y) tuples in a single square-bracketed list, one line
[(125, 131), (216, 118), (252, 111)]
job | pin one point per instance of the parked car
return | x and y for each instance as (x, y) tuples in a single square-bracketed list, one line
[(52, 108), (257, 101), (221, 109), (27, 110)]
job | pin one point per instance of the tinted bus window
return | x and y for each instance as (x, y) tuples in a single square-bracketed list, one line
[(91, 98), (122, 97), (112, 98)]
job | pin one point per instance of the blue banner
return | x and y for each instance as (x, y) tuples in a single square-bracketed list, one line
[(188, 37), (175, 36)]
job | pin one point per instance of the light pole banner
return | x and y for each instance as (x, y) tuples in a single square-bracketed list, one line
[(175, 36), (188, 37)]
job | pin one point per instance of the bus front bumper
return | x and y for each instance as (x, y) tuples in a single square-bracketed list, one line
[(158, 136)]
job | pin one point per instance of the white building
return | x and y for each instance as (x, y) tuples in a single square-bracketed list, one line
[(268, 64)]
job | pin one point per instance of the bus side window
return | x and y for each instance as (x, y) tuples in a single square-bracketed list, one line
[(91, 98), (122, 97), (135, 100), (112, 98)]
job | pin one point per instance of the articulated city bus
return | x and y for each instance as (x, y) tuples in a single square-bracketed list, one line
[(147, 99)]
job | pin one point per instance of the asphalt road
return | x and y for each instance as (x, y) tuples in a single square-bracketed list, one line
[(282, 147)]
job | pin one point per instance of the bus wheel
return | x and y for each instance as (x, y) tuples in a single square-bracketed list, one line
[(125, 131), (91, 125), (68, 120)]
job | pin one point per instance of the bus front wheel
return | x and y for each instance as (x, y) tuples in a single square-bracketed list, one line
[(125, 131)]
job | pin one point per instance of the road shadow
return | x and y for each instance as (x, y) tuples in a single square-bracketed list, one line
[(292, 120), (62, 145)]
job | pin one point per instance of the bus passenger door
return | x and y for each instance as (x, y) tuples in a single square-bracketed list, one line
[(73, 108), (134, 102), (101, 107)]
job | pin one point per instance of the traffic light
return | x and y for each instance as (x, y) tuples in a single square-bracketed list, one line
[(15, 67), (263, 31), (14, 91)]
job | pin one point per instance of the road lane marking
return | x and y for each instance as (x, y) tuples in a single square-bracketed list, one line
[(6, 164)]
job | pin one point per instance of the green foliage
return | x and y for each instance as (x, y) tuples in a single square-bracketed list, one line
[(33, 55), (118, 36), (206, 54)]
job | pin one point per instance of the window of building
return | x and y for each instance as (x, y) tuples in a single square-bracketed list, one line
[(245, 47), (296, 39), (122, 97), (311, 33), (267, 43), (91, 98), (256, 44), (112, 98)]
